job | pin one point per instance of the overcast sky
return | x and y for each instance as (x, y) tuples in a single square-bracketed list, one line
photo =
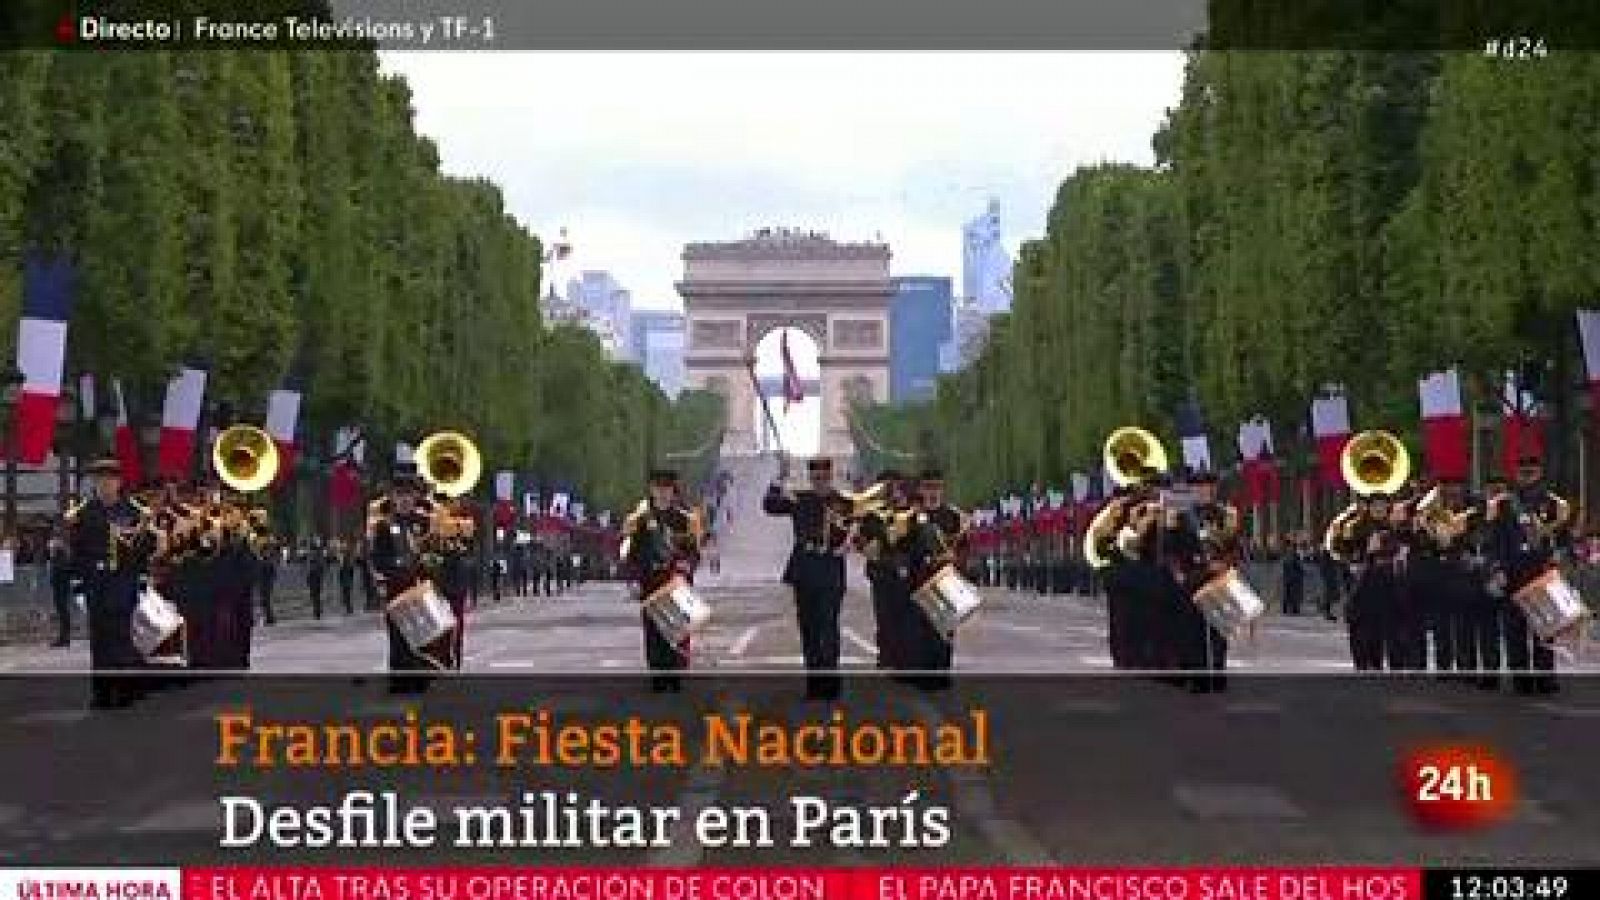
[(639, 154)]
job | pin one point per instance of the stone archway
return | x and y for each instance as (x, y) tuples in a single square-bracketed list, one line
[(735, 293)]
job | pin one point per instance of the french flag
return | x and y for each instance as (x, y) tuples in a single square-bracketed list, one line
[(1330, 426), (124, 439), (180, 417), (1524, 425), (41, 355), (1192, 436), (1589, 336), (344, 485), (792, 391), (1444, 425), (283, 414), (1257, 467)]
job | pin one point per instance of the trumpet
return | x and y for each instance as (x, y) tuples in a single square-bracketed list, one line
[(1435, 518)]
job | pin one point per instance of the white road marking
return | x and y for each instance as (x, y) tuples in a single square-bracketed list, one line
[(182, 818), (1010, 626), (743, 641), (1236, 801), (860, 641), (1570, 712)]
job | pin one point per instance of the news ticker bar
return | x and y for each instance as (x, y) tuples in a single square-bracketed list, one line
[(1020, 25), (880, 883)]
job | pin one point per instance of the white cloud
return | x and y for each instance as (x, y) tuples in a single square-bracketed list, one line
[(639, 154)]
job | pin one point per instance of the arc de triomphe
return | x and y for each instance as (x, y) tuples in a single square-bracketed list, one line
[(735, 293)]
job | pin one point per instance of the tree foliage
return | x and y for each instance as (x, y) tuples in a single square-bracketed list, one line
[(1314, 217), (276, 216)]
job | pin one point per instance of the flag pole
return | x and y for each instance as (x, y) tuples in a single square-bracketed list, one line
[(766, 410)]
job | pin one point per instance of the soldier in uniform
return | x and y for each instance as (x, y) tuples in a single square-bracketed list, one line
[(108, 564), (816, 569), (396, 528), (1201, 543), (661, 539), (941, 539), (879, 540), (1363, 538), (1445, 574), (1526, 525)]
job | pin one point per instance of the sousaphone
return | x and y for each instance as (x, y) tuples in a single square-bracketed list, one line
[(450, 462), (246, 458), (1375, 462)]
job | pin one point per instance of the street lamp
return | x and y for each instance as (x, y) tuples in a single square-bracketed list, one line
[(10, 385)]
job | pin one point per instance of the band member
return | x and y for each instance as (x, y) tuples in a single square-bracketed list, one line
[(1406, 632), (108, 559), (939, 540), (1488, 611), (1202, 542), (1446, 574), (816, 569), (661, 541), (1111, 560), (1363, 539), (1526, 525), (397, 527), (447, 555), (880, 538)]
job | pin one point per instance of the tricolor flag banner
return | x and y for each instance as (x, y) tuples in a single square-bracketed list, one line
[(1330, 426), (530, 504), (1256, 465), (87, 407), (180, 416), (504, 484), (1524, 425), (558, 503), (124, 439), (404, 453), (577, 510), (1080, 487), (1589, 336), (41, 355), (283, 414), (792, 391), (1192, 436), (1445, 442), (344, 486)]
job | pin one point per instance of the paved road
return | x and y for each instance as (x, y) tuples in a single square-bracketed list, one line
[(596, 627)]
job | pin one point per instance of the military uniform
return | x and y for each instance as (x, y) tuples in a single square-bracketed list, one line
[(939, 539), (661, 541), (1371, 549), (109, 571), (1201, 543), (396, 540), (1524, 532), (881, 539), (816, 572)]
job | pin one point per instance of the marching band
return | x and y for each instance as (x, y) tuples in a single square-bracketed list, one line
[(1434, 579)]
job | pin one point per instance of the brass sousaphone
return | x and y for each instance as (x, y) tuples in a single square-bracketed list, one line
[(449, 462), (246, 458), (1375, 462), (1128, 452)]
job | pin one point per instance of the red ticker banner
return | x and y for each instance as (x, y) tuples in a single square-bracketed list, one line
[(712, 884)]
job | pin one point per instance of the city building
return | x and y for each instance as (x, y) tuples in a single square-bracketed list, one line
[(657, 344), (920, 318), (607, 308), (985, 264), (985, 289)]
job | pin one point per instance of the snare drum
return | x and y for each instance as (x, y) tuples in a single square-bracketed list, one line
[(157, 628), (948, 600), (1230, 604), (677, 610), (421, 615), (1552, 606)]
